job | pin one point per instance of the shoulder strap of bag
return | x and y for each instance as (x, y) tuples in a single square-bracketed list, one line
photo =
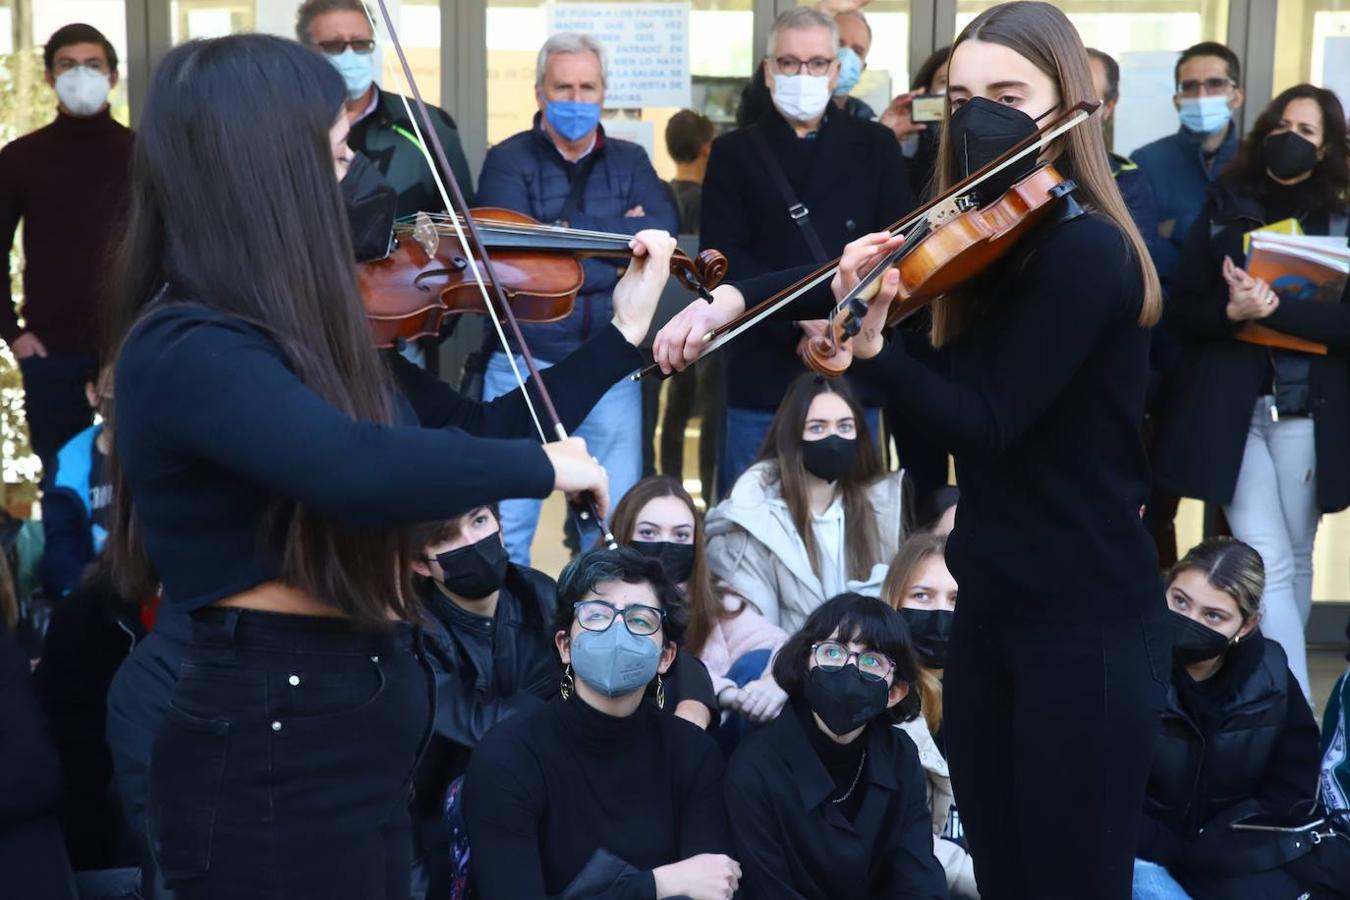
[(796, 210), (573, 204)]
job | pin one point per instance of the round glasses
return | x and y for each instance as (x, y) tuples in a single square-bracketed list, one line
[(598, 615), (833, 656)]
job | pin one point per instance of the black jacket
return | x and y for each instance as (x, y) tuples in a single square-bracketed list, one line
[(388, 139), (32, 857), (485, 670), (92, 632), (1246, 735), (792, 842), (852, 178), (1202, 441)]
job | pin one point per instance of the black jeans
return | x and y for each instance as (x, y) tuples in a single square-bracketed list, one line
[(54, 401), (284, 763), (1050, 731)]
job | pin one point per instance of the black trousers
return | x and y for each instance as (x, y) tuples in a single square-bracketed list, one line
[(283, 766), (1050, 731), (54, 401)]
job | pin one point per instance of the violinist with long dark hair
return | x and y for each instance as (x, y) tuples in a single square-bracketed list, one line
[(264, 462), (1058, 654)]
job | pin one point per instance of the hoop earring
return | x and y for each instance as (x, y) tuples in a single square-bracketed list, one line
[(660, 693), (568, 685)]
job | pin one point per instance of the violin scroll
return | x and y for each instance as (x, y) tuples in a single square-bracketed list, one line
[(701, 274), (825, 354)]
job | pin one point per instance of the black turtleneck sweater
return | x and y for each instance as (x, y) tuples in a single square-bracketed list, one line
[(69, 184), (566, 788), (843, 761)]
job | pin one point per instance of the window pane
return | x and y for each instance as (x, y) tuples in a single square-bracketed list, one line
[(1145, 37), (419, 28), (720, 61), (1312, 38)]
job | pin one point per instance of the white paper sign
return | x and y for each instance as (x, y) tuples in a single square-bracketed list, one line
[(638, 131), (1145, 112), (1336, 66), (646, 47)]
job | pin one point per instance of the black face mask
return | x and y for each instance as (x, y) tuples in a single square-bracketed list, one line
[(371, 204), (474, 571), (676, 559), (845, 699), (1193, 642), (829, 458), (931, 629), (1287, 155), (981, 132)]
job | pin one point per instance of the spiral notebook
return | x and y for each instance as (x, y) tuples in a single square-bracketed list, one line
[(1300, 269)]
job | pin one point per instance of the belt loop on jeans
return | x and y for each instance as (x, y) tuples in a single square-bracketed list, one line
[(231, 624)]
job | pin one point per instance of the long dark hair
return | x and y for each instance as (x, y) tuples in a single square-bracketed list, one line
[(236, 207), (1329, 185), (783, 448), (1045, 36), (705, 603)]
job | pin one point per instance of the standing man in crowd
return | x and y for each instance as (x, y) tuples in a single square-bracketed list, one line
[(68, 183), (564, 169), (1181, 166), (381, 130), (1130, 179), (789, 190), (855, 42)]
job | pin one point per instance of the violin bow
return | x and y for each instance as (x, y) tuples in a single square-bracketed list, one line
[(720, 337), (480, 266)]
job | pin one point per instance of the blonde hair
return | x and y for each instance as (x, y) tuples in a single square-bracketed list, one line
[(1043, 34), (904, 569)]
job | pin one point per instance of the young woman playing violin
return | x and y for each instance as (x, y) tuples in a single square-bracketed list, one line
[(1060, 647), (264, 461)]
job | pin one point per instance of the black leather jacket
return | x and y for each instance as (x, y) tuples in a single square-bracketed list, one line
[(486, 669)]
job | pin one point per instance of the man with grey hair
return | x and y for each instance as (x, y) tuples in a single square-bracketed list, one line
[(792, 188), (565, 170), (381, 131)]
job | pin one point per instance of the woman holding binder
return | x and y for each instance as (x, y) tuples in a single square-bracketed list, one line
[(1262, 429)]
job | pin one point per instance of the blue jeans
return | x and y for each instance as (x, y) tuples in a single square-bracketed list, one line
[(743, 671), (744, 434), (613, 434), (1153, 882)]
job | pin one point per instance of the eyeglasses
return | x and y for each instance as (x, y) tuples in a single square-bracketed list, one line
[(69, 65), (833, 656), (791, 65), (598, 615), (1191, 86), (333, 48)]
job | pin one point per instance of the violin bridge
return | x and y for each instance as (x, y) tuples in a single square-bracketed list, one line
[(949, 209), (425, 233)]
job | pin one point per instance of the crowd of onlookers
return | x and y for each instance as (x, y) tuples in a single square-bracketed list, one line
[(801, 623)]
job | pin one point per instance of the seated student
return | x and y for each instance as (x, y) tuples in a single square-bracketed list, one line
[(1237, 736), (814, 511), (491, 648), (920, 586), (828, 801), (77, 497), (597, 794), (657, 517)]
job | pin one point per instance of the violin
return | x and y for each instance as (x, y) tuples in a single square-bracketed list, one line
[(945, 251), (409, 293), (948, 241)]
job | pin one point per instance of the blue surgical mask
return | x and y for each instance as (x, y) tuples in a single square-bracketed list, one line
[(1205, 115), (615, 661), (850, 70), (357, 71), (572, 119)]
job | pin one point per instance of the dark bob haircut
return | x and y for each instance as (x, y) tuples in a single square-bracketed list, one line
[(629, 566), (860, 620)]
